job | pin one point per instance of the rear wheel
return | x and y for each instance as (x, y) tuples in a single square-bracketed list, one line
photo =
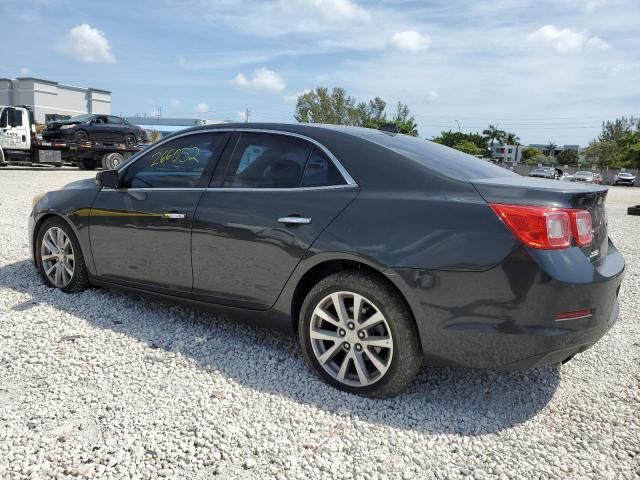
[(81, 136), (359, 336), (111, 160), (59, 257)]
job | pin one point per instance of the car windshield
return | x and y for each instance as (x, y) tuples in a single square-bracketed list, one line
[(625, 174), (81, 118)]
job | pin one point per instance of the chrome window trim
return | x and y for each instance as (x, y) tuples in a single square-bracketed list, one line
[(345, 175), (230, 189)]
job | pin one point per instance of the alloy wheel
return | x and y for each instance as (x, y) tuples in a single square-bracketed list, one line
[(57, 256), (351, 339)]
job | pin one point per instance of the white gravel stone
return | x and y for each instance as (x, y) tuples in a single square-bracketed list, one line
[(107, 385)]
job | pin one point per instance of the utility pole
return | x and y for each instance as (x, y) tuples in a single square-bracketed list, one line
[(247, 114), (159, 112), (458, 125)]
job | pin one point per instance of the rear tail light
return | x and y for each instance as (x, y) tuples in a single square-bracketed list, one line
[(587, 312), (546, 227)]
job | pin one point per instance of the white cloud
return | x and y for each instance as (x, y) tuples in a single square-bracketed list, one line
[(88, 44), (566, 39), (25, 71), (201, 108), (410, 41), (293, 98), (432, 96), (262, 79), (332, 11)]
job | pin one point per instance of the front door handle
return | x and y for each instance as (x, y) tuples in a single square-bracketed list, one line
[(173, 215), (295, 220)]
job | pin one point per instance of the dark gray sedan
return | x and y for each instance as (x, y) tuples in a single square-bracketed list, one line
[(382, 251)]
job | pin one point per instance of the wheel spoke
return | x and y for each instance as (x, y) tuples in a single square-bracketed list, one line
[(361, 368), (68, 269), (338, 303), (383, 342), (59, 239), (70, 257), (343, 368), (49, 246), (371, 321), (326, 316), (50, 269), (58, 277), (377, 361), (329, 354), (321, 334), (48, 257), (357, 307)]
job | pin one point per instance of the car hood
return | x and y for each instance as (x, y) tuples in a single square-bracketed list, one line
[(87, 183), (57, 124)]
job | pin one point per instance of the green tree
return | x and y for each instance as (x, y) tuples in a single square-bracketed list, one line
[(339, 108), (531, 155), (469, 147), (618, 144), (493, 134), (511, 139), (451, 139), (551, 149), (568, 157)]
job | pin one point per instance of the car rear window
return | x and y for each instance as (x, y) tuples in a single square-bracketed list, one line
[(441, 159)]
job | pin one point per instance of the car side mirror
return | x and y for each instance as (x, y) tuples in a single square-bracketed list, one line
[(108, 179)]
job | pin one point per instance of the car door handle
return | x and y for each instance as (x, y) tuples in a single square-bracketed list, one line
[(173, 215), (295, 220)]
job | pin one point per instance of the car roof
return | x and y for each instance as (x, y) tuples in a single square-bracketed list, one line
[(375, 157)]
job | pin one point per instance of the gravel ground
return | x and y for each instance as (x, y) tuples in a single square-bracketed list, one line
[(108, 385)]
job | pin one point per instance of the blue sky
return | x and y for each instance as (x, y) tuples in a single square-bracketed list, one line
[(546, 70)]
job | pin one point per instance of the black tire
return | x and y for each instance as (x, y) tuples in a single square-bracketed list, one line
[(407, 353), (2, 165), (81, 136), (633, 210), (80, 279), (88, 164), (130, 140), (111, 160)]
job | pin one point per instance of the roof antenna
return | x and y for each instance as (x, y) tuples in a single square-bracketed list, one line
[(389, 128)]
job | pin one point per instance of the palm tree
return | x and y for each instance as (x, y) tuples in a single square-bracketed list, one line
[(493, 133), (511, 139), (552, 149)]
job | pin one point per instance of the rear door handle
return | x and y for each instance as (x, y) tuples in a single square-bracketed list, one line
[(295, 220), (173, 215)]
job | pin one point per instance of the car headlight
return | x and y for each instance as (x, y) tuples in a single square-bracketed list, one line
[(64, 127), (37, 198)]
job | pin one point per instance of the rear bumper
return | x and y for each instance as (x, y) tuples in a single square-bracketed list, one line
[(505, 317)]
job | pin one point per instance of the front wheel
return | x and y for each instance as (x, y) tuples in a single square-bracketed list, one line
[(130, 140), (81, 136), (59, 258), (359, 336)]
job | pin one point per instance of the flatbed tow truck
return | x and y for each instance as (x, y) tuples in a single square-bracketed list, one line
[(21, 145)]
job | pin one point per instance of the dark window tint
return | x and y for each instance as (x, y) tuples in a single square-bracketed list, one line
[(262, 160), (15, 117), (176, 164), (100, 120), (321, 171), (4, 119), (115, 120)]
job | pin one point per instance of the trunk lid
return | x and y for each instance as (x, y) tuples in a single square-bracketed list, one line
[(553, 193)]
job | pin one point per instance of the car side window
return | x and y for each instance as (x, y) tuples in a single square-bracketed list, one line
[(115, 120), (321, 171), (179, 163), (264, 160)]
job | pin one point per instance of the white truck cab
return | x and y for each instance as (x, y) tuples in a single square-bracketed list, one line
[(16, 128)]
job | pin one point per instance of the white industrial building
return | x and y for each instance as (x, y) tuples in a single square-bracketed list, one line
[(52, 100)]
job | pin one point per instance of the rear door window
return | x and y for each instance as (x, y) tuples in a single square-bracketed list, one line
[(263, 160), (321, 171)]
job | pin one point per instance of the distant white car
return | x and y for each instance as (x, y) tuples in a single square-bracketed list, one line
[(584, 176), (624, 178)]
